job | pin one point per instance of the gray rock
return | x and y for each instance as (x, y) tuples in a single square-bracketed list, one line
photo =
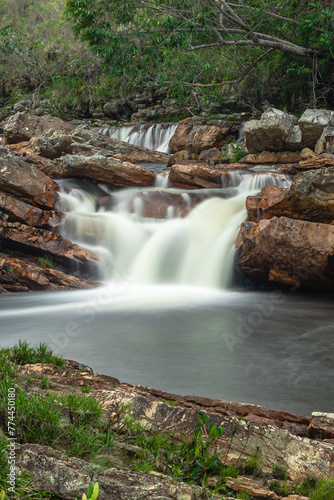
[(294, 140), (325, 143), (312, 123)]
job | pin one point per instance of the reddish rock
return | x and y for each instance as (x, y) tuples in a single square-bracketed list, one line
[(310, 197), (194, 177), (18, 211), (22, 127), (101, 169), (252, 487), (270, 157), (271, 252), (40, 242), (21, 275), (321, 425), (198, 134), (19, 179), (212, 154), (325, 160)]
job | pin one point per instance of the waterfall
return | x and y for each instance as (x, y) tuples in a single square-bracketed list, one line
[(193, 250), (155, 136)]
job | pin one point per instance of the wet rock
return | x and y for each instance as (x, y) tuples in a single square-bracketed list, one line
[(325, 143), (18, 211), (19, 179), (68, 478), (270, 157), (312, 123), (199, 134), (101, 169), (310, 197), (22, 127), (40, 242), (194, 176), (270, 132), (252, 487), (271, 252), (21, 273), (322, 425)]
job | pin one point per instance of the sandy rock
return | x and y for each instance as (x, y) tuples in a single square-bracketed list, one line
[(194, 176), (251, 487), (271, 252), (270, 157), (312, 123), (22, 127), (199, 134), (322, 425), (209, 155)]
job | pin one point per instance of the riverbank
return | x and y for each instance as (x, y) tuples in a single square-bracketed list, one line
[(135, 441)]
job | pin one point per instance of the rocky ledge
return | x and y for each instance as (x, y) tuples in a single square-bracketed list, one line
[(281, 441)]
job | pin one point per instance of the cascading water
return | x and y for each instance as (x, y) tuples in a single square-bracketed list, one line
[(154, 136), (192, 250)]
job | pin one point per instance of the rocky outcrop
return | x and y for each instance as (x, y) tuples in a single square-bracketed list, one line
[(199, 134), (271, 251), (29, 184), (18, 211), (22, 127), (41, 242), (325, 143), (310, 197), (16, 274), (101, 169), (321, 425), (270, 132), (247, 428)]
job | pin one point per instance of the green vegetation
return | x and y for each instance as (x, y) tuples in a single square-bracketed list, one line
[(46, 262), (93, 492)]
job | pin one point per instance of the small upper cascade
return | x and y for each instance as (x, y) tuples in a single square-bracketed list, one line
[(260, 180), (155, 136)]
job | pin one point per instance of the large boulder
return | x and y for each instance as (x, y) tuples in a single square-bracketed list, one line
[(310, 197), (18, 179), (287, 251), (270, 132), (312, 123), (100, 169), (22, 127), (325, 143), (199, 134)]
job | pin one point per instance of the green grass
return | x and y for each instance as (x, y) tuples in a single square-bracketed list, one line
[(46, 262), (23, 353)]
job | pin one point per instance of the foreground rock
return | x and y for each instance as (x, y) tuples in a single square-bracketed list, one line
[(101, 169), (247, 428), (194, 176), (198, 134), (41, 242), (310, 197), (18, 211), (22, 127), (21, 275), (271, 252)]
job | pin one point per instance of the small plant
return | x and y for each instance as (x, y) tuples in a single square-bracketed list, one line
[(45, 383), (93, 492), (22, 354), (46, 262), (85, 389), (280, 472), (280, 488)]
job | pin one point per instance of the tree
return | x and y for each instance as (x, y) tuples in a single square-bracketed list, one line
[(186, 43)]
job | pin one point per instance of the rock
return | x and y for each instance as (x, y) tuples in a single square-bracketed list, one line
[(51, 144), (40, 242), (322, 425), (271, 252), (312, 123), (19, 179), (310, 197), (270, 157), (68, 477), (117, 108), (20, 272), (325, 143), (270, 132), (209, 155), (324, 160), (18, 211), (101, 169), (194, 176), (251, 487), (22, 127), (294, 140), (199, 134)]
